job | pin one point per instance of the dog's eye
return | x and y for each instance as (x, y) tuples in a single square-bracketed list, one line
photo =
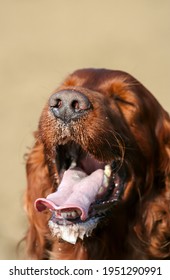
[(119, 99)]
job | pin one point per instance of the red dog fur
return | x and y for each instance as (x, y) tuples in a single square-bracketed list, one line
[(126, 125)]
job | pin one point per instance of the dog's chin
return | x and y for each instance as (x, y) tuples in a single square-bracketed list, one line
[(74, 229), (71, 232)]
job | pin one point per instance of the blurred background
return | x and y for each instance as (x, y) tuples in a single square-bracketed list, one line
[(41, 42)]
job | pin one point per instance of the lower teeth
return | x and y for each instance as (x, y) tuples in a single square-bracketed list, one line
[(69, 214)]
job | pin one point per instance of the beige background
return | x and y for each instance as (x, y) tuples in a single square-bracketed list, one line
[(41, 41)]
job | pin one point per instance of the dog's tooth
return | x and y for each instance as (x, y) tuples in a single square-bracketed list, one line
[(73, 164), (64, 215), (73, 214), (101, 190), (70, 214), (107, 170), (78, 211), (105, 181)]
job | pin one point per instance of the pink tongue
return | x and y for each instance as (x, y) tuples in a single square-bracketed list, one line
[(76, 191)]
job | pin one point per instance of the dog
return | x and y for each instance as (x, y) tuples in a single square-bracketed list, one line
[(99, 172)]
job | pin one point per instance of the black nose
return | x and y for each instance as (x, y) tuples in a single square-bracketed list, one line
[(69, 105)]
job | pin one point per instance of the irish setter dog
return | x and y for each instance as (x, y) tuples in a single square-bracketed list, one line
[(99, 172)]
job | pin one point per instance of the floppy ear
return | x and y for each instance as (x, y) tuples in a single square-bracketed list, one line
[(153, 224), (163, 136), (39, 185)]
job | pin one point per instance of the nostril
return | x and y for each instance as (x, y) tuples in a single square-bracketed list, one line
[(59, 103), (75, 105)]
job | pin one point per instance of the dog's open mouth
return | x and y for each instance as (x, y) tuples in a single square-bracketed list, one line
[(87, 190)]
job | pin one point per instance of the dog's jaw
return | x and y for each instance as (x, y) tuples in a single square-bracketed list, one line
[(71, 233)]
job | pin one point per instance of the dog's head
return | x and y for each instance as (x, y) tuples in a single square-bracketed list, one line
[(106, 143)]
